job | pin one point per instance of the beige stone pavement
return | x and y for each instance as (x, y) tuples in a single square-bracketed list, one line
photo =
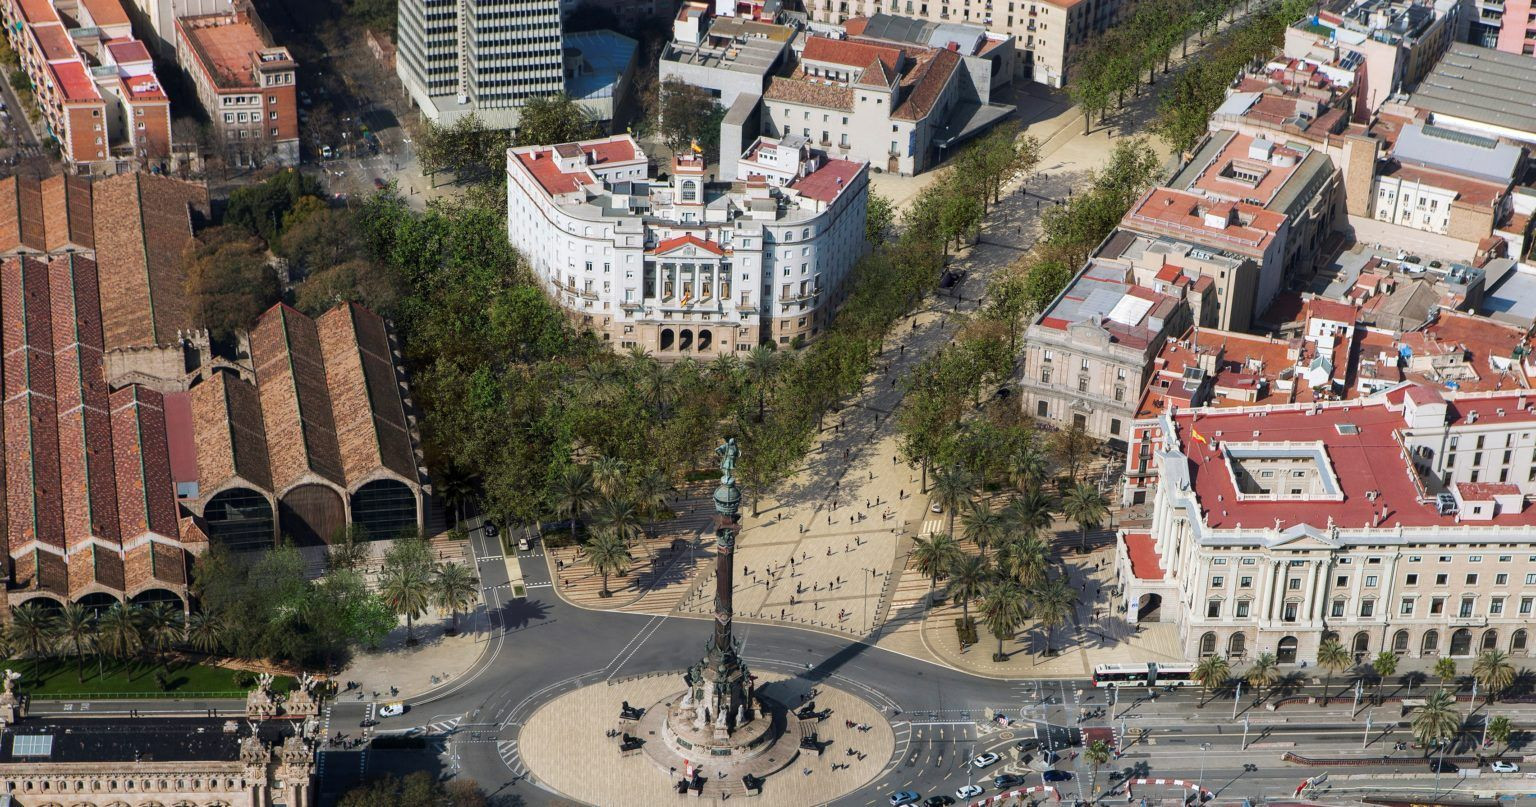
[(565, 747)]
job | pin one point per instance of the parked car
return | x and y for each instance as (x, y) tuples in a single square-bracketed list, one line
[(1438, 765), (1004, 781), (968, 792), (1056, 776), (983, 760), (1025, 746), (938, 801), (901, 797), (1500, 766)]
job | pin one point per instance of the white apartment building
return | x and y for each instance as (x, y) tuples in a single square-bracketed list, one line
[(1396, 522), (1044, 32), (479, 56), (688, 267)]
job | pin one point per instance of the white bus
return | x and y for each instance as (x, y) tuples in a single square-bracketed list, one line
[(1145, 674)]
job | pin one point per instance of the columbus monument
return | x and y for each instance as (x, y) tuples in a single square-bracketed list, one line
[(719, 717)]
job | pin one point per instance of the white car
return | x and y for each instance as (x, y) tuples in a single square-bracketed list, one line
[(968, 792), (984, 760), (392, 709), (1500, 766)]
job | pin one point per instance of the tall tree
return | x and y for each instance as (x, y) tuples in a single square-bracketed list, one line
[(1493, 672), (31, 631), (118, 632), (952, 489), (609, 555), (1263, 673), (1054, 603), (550, 119), (968, 578), (1085, 505), (933, 555), (688, 115), (1072, 447), (1211, 674), (1003, 608), (983, 525), (1333, 657), (1437, 720), (76, 628), (1384, 665), (229, 281), (573, 494), (455, 589), (407, 591), (1445, 670)]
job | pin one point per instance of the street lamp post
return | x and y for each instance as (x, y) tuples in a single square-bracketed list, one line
[(1244, 746), (1238, 693), (1200, 785), (1366, 736)]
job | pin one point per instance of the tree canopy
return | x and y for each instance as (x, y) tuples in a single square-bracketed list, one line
[(550, 119), (229, 281)]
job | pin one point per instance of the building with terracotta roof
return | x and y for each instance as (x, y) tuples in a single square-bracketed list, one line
[(1086, 356), (1043, 34), (688, 267), (1399, 41), (94, 82), (1395, 523), (246, 84), (1207, 235), (920, 100)]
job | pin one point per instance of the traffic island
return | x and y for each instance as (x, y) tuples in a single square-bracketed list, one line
[(582, 744)]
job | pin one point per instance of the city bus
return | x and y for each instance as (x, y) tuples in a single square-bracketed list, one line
[(1145, 674)]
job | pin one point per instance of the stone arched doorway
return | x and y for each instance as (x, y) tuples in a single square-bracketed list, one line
[(706, 339), (1461, 642), (1490, 640), (1518, 641), (1285, 653), (240, 519), (384, 508), (1149, 607), (311, 514), (1400, 642), (1361, 645), (685, 339), (668, 339)]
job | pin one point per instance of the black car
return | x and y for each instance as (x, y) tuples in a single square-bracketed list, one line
[(1025, 746), (1442, 766), (938, 801), (1006, 780), (490, 529), (1056, 776)]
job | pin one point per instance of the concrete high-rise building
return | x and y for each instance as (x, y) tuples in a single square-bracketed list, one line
[(480, 56)]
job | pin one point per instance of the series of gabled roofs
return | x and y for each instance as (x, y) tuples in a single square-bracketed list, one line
[(90, 474)]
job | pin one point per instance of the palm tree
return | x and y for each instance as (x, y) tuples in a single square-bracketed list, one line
[(1263, 673), (205, 633), (1003, 608), (76, 628), (1499, 729), (982, 525), (618, 517), (456, 487), (608, 476), (651, 497), (933, 556), (968, 576), (118, 632), (1211, 673), (762, 365), (31, 632), (1437, 720), (1054, 604), (162, 628), (1333, 657), (1445, 670), (454, 590), (1085, 505), (1027, 465), (1493, 672), (1025, 559), (406, 591), (608, 555), (1383, 665), (1029, 514), (572, 494), (1098, 753), (951, 486)]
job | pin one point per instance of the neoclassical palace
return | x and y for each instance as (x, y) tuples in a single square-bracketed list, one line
[(1395, 522)]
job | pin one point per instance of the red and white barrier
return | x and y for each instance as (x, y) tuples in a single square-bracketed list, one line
[(1013, 794), (1206, 794)]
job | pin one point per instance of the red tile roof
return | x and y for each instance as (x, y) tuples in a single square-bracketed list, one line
[(925, 82), (1183, 213), (105, 12), (1145, 562), (74, 82), (54, 42), (37, 11), (541, 163), (687, 240), (1485, 491), (825, 183), (128, 51), (849, 54)]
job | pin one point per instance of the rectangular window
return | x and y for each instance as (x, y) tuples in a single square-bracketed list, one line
[(1294, 584), (1472, 578), (1245, 582), (1525, 605), (1217, 581), (1242, 608), (1337, 609), (1341, 581), (1496, 606), (1436, 606), (1501, 579), (1213, 609), (1367, 608), (1411, 579), (1289, 614), (1441, 579), (1370, 581), (1466, 607), (1406, 608)]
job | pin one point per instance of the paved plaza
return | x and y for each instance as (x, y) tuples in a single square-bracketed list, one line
[(565, 747)]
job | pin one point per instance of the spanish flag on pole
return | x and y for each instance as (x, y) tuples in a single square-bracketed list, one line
[(1199, 437), (694, 145)]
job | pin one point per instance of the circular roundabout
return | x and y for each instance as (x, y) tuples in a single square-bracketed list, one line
[(623, 742)]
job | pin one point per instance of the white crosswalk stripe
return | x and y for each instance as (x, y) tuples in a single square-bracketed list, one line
[(932, 526), (443, 726)]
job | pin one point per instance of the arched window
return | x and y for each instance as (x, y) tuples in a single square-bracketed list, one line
[(1517, 641), (1400, 642), (1286, 653), (690, 191), (1362, 644), (1237, 645), (1461, 642), (1490, 640), (1430, 643), (1207, 645)]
